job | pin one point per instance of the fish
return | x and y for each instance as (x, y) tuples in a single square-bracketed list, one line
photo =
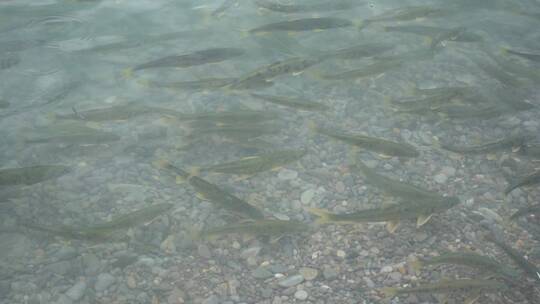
[(195, 85), (31, 175), (305, 8), (421, 210), (236, 131), (263, 227), (534, 209), (357, 52), (474, 260), (511, 141), (200, 57), (374, 144), (449, 35), (430, 99), (499, 74), (433, 31), (230, 117), (304, 24), (268, 72), (293, 102), (531, 150), (530, 269), (117, 112), (213, 193), (531, 179), (9, 61), (19, 45), (225, 5), (529, 56), (86, 137), (446, 286), (406, 14), (393, 187), (257, 163), (374, 69), (105, 230)]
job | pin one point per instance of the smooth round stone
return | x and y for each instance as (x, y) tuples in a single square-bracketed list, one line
[(286, 174), (440, 178), (307, 196), (76, 292), (291, 281), (308, 273), (301, 295), (261, 273), (104, 281)]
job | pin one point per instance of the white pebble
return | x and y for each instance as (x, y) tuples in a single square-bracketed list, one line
[(301, 295)]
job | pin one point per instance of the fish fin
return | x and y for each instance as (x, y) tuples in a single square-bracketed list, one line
[(201, 196), (391, 226), (194, 171), (422, 219), (323, 215), (389, 292), (384, 156), (127, 73)]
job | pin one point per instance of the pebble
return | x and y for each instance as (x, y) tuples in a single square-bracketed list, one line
[(440, 178), (307, 196), (341, 254), (395, 276), (301, 295), (286, 174), (76, 292), (386, 269), (104, 281), (261, 273), (291, 280), (330, 273), (448, 171), (308, 273), (204, 251)]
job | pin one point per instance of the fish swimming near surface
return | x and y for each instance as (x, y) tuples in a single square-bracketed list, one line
[(306, 8), (293, 102), (118, 112), (529, 268), (192, 59), (210, 192), (530, 56), (31, 175), (305, 24), (373, 69)]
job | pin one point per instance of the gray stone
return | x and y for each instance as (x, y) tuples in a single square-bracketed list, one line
[(66, 253), (301, 295), (261, 273), (250, 252), (76, 292), (395, 276), (440, 178), (330, 273), (91, 264), (204, 251), (307, 196), (291, 280), (308, 273), (448, 171), (104, 281), (286, 174)]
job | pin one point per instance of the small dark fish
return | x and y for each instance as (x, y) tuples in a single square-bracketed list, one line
[(530, 56), (195, 85), (374, 69), (215, 194), (499, 74), (448, 35), (31, 175), (446, 286), (119, 112), (531, 179), (305, 8), (192, 59), (94, 137), (293, 102), (268, 72), (9, 61), (306, 24), (358, 51), (534, 209), (230, 117), (512, 141), (432, 31), (530, 269)]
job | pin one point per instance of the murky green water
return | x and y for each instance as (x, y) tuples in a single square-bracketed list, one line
[(269, 151)]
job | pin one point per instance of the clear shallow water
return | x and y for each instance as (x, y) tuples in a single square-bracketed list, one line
[(65, 58)]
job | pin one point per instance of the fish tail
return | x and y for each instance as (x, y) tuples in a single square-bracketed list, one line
[(324, 216), (128, 73), (417, 265), (389, 292)]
